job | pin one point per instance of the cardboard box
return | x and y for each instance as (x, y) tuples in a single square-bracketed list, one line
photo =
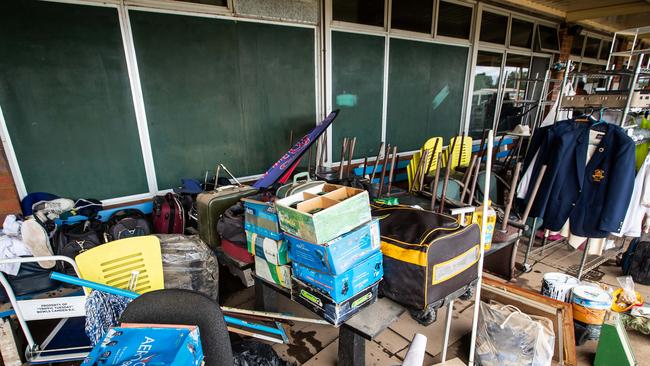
[(261, 218), (323, 212), (338, 255), (153, 344), (343, 286), (323, 305), (279, 275), (271, 250)]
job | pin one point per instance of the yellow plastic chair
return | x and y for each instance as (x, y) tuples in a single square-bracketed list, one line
[(461, 154), (430, 145), (118, 262)]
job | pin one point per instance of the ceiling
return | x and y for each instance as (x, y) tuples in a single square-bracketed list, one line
[(605, 15)]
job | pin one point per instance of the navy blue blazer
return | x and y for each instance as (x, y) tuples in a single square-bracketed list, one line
[(545, 144), (593, 195)]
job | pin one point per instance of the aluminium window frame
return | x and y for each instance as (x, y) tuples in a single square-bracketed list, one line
[(388, 33)]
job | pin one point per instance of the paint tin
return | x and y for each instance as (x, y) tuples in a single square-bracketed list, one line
[(558, 285), (590, 304)]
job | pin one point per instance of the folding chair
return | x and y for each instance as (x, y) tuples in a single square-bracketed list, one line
[(67, 341)]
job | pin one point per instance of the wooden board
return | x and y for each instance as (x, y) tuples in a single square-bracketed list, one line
[(532, 303)]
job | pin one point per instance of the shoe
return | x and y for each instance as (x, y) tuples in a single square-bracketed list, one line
[(36, 240)]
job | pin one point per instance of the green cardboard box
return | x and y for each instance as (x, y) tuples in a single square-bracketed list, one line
[(324, 212)]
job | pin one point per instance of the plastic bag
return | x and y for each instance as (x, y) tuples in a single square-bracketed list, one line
[(627, 297), (506, 337), (251, 353), (188, 263)]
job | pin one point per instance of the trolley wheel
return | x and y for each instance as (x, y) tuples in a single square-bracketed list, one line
[(527, 268), (467, 294)]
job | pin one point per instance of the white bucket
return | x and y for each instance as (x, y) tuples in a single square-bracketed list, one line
[(558, 285)]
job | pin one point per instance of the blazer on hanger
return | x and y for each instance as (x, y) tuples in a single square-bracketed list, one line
[(593, 195), (544, 145)]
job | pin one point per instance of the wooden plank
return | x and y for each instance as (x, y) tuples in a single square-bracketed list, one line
[(8, 348), (533, 303)]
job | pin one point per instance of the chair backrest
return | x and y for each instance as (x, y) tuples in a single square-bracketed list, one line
[(434, 146), (114, 264), (461, 154), (185, 307)]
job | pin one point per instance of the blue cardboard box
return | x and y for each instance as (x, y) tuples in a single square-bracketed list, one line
[(337, 255), (150, 344), (343, 286), (261, 218), (336, 313)]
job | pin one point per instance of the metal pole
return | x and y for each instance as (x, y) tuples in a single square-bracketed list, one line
[(633, 82), (477, 300), (583, 260), (445, 342)]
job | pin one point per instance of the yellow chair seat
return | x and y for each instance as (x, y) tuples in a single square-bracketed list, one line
[(113, 263)]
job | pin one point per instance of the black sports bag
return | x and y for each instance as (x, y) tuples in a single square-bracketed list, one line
[(429, 258), (77, 238), (127, 223)]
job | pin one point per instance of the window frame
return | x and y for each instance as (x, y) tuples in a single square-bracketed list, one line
[(539, 39), (534, 32), (471, 22)]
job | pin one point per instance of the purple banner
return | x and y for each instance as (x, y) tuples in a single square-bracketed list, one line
[(287, 160)]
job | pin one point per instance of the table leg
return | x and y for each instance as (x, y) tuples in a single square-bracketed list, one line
[(352, 348), (266, 299)]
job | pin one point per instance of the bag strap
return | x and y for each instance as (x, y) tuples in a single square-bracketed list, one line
[(303, 175), (514, 310)]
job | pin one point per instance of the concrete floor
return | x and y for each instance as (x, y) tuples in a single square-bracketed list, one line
[(317, 345)]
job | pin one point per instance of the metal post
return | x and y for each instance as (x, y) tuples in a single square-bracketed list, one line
[(583, 260), (477, 300), (445, 342), (633, 82)]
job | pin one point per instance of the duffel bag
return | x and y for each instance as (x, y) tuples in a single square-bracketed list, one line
[(429, 258), (127, 223), (71, 240)]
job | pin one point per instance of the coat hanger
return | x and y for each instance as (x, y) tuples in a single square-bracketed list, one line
[(600, 120)]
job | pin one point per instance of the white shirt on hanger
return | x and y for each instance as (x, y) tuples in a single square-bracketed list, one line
[(639, 204)]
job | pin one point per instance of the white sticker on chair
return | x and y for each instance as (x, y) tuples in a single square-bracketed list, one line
[(54, 308)]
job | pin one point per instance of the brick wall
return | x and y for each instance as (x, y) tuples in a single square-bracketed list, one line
[(566, 41), (9, 202)]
